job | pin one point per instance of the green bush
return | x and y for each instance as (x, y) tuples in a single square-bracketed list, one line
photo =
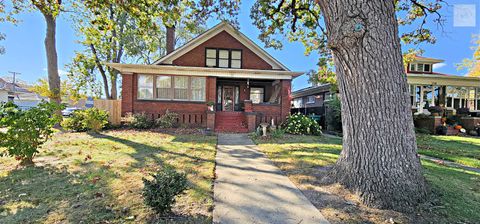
[(298, 124), (27, 130), (168, 120), (160, 192), (278, 133), (333, 116), (141, 121), (92, 119)]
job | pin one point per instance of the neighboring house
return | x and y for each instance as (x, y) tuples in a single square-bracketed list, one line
[(311, 101), (22, 97), (223, 67), (429, 88), (426, 87)]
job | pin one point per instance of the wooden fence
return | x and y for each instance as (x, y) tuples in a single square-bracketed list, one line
[(113, 107)]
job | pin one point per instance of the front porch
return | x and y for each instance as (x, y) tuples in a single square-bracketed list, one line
[(242, 104)]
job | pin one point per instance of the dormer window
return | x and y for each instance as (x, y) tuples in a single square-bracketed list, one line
[(420, 67), (223, 58)]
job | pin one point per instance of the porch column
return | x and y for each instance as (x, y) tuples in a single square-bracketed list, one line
[(286, 99), (212, 89), (128, 88)]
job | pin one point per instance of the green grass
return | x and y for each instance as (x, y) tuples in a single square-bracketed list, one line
[(463, 150), (457, 190), (98, 178)]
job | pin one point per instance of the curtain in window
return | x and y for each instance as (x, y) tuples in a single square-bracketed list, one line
[(181, 88), (198, 88), (145, 86), (164, 85)]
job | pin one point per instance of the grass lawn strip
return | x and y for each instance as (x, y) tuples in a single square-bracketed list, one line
[(93, 178), (456, 192)]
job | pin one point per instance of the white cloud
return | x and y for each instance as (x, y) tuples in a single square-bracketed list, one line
[(439, 65)]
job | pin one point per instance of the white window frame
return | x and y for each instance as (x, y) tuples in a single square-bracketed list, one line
[(310, 99), (172, 89)]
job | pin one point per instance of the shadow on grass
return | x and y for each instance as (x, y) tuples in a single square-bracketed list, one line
[(52, 195)]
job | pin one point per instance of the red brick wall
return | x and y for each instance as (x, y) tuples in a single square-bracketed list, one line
[(196, 57), (191, 113), (266, 112)]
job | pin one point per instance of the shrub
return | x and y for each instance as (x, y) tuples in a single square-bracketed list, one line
[(168, 120), (333, 116), (422, 131), (91, 119), (435, 109), (301, 124), (278, 133), (160, 192), (27, 130), (463, 111), (141, 121), (441, 130)]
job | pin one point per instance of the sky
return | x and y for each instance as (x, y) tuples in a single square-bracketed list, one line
[(25, 51)]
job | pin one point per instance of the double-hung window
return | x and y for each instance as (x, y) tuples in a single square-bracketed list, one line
[(257, 94), (310, 99), (211, 58), (198, 89), (145, 87), (180, 88), (223, 58), (164, 87)]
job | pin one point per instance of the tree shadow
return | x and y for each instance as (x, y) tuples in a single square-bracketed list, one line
[(47, 194)]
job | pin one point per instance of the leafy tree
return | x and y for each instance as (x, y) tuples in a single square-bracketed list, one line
[(117, 33), (50, 10), (188, 13), (472, 65), (27, 130), (379, 159), (68, 91)]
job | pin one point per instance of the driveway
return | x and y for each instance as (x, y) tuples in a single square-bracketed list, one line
[(250, 189)]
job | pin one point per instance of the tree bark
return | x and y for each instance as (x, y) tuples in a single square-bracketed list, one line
[(379, 159), (170, 39), (52, 63)]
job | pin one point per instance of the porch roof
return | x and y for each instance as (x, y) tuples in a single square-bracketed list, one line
[(203, 71), (442, 80)]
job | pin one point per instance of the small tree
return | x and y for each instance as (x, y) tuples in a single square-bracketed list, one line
[(27, 130)]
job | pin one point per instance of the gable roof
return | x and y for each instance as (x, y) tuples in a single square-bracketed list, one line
[(418, 58), (227, 27)]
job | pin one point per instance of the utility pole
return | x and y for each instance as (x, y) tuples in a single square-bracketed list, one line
[(14, 74)]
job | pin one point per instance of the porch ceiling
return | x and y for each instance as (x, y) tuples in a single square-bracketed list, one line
[(442, 80), (204, 71)]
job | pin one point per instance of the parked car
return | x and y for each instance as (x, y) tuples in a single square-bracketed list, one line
[(67, 112)]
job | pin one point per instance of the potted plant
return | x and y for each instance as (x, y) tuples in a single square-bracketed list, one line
[(210, 105), (436, 110)]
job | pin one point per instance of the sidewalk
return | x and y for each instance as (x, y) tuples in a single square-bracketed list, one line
[(250, 189)]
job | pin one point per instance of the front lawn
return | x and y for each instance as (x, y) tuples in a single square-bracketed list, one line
[(456, 192), (98, 179), (463, 150)]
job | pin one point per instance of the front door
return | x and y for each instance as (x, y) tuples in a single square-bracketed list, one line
[(228, 98)]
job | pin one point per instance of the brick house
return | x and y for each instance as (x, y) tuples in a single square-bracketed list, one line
[(222, 67)]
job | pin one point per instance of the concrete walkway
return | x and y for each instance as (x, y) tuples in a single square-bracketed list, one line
[(450, 163), (250, 189)]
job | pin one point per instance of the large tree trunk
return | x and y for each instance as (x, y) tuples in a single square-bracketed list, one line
[(170, 39), (52, 64), (379, 159)]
